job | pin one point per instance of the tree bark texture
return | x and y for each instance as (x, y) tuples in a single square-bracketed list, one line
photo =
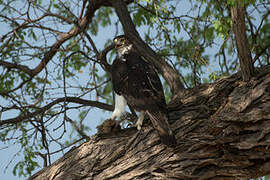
[(238, 17), (222, 130)]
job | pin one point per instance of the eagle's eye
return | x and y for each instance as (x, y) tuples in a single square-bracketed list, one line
[(122, 40)]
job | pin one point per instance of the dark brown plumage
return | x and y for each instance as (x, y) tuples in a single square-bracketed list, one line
[(138, 82)]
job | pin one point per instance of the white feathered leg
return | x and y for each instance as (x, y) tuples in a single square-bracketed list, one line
[(119, 107), (140, 120)]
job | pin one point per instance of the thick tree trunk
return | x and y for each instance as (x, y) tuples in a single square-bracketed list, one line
[(222, 129), (238, 17)]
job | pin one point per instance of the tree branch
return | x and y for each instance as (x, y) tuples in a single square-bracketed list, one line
[(22, 118), (262, 51), (242, 44), (103, 60), (23, 68), (80, 27)]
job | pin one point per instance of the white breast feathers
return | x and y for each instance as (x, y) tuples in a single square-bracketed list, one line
[(120, 106), (124, 50)]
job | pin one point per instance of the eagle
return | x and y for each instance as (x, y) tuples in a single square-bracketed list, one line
[(136, 83)]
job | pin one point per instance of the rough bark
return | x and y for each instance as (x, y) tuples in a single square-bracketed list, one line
[(222, 129), (242, 44)]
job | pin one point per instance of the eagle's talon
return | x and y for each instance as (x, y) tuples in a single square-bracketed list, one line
[(139, 126), (140, 120)]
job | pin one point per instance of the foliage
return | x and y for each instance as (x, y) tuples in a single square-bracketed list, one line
[(194, 37)]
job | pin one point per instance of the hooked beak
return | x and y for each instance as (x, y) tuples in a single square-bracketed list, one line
[(117, 45)]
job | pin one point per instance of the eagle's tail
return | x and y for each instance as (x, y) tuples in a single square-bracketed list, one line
[(159, 120)]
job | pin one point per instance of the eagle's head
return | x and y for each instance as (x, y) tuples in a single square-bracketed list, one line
[(122, 45)]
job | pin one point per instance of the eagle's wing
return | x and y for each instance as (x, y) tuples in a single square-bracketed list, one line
[(144, 86), (145, 93), (119, 76), (155, 85)]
